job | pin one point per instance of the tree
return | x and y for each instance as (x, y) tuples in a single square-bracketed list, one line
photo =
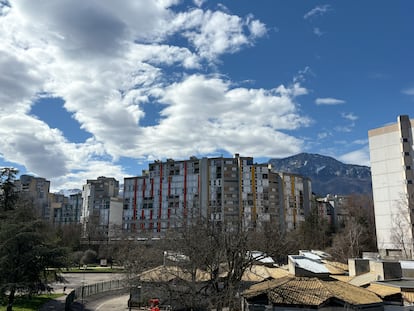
[(315, 232), (27, 248), (8, 193), (89, 257), (357, 232), (348, 242), (402, 232), (70, 236), (221, 254)]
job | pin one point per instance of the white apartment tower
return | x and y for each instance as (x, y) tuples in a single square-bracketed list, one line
[(391, 156), (97, 195), (231, 193)]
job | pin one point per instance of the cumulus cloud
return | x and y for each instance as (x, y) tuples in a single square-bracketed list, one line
[(358, 157), (107, 62), (329, 101), (214, 33)]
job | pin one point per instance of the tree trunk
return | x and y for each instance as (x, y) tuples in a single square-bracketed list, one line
[(11, 299)]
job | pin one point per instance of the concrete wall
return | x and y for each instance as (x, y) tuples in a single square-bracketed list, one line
[(386, 270), (358, 266)]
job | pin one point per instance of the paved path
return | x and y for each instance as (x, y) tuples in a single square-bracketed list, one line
[(118, 302), (74, 280)]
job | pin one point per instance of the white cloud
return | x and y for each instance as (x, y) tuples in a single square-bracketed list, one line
[(349, 116), (329, 101), (323, 135), (357, 157), (409, 91), (317, 31), (317, 11), (214, 33), (199, 3), (106, 61)]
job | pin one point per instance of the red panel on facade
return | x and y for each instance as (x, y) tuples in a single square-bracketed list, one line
[(152, 187), (151, 223), (160, 196), (134, 217), (185, 191), (142, 220)]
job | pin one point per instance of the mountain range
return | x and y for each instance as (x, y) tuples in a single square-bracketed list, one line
[(328, 175)]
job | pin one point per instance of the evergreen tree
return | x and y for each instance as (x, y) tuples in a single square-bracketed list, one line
[(27, 248)]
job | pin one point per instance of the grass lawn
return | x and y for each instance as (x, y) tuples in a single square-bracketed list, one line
[(32, 304)]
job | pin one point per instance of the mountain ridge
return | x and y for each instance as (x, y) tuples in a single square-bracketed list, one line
[(328, 175)]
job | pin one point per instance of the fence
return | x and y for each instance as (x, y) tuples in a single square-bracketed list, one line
[(93, 289)]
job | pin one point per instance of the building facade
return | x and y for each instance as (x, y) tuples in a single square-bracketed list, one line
[(230, 193), (391, 155), (96, 203), (36, 191), (65, 209), (297, 198)]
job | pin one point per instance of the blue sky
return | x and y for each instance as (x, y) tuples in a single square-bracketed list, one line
[(101, 88)]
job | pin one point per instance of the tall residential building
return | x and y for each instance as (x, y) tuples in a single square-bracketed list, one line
[(391, 153), (96, 202), (36, 190), (297, 196), (65, 209), (231, 193)]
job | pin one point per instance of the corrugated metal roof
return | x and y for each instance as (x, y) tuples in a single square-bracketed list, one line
[(311, 291), (310, 255), (364, 279), (308, 264), (261, 257), (407, 264)]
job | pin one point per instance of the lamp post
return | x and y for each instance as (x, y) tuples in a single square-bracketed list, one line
[(165, 254)]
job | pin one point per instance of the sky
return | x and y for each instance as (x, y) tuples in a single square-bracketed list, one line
[(102, 88)]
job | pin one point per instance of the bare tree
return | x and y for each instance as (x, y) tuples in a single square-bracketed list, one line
[(356, 233), (402, 235), (347, 243), (222, 256)]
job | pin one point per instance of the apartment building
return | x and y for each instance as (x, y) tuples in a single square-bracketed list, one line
[(297, 198), (391, 156), (65, 209), (36, 191), (231, 193), (97, 195)]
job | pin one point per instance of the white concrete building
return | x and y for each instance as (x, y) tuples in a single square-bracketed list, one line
[(96, 202), (391, 155)]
